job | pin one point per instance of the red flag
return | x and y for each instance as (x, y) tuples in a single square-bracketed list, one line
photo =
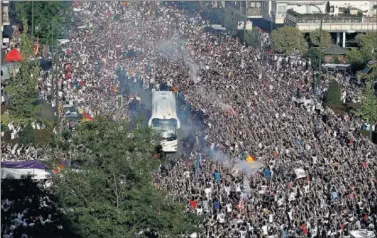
[(87, 116), (193, 204)]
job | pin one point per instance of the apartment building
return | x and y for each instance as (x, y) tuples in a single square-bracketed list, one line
[(352, 7), (280, 8), (4, 20)]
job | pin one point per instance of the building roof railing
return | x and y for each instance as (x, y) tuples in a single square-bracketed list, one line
[(316, 18), (326, 19)]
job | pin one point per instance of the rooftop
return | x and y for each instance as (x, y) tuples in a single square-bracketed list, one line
[(335, 50)]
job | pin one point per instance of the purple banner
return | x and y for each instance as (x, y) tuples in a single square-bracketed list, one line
[(24, 164)]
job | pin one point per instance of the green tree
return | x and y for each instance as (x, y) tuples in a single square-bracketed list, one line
[(252, 38), (41, 15), (325, 38), (27, 135), (29, 198), (356, 59), (314, 54), (231, 18), (333, 93), (367, 44), (22, 87), (112, 194), (288, 39), (368, 108)]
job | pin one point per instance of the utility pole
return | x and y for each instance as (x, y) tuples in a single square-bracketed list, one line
[(32, 19), (318, 80)]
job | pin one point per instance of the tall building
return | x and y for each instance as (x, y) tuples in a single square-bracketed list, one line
[(342, 7), (4, 14)]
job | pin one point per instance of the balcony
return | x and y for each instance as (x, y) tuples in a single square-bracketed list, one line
[(310, 22), (254, 12), (5, 18)]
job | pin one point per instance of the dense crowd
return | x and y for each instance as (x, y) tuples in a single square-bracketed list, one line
[(312, 172)]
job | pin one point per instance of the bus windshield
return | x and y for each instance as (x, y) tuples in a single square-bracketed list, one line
[(167, 128)]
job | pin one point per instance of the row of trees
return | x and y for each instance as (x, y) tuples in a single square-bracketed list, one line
[(112, 194), (40, 16), (286, 40)]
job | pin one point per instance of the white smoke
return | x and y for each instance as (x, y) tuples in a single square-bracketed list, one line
[(175, 50)]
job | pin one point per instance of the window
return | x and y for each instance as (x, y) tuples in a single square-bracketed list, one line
[(252, 4), (258, 4), (282, 9)]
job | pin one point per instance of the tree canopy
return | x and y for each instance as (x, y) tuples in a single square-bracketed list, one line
[(368, 108), (287, 40), (37, 205), (325, 38), (252, 38), (333, 93), (231, 18), (22, 87), (112, 195), (42, 14), (368, 45), (315, 55)]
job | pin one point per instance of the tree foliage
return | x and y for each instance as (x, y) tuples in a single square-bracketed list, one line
[(22, 87), (43, 14), (368, 45), (356, 59), (325, 38), (32, 201), (368, 108), (287, 40), (231, 18), (333, 93), (315, 55), (252, 38), (112, 195)]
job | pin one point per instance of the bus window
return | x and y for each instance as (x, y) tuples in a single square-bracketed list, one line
[(167, 128)]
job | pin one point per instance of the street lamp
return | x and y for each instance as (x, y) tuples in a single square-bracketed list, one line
[(316, 82)]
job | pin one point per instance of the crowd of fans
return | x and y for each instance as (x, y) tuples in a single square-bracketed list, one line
[(312, 173)]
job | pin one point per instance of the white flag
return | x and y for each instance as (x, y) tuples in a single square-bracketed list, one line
[(300, 173)]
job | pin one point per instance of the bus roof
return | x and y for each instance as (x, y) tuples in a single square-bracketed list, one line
[(164, 105)]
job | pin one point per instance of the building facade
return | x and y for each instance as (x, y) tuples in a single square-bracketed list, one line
[(343, 7)]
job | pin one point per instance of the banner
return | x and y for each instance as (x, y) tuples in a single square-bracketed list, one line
[(300, 173), (197, 166), (119, 103), (249, 25), (240, 25)]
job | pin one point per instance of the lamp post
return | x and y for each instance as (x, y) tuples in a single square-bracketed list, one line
[(272, 20), (317, 81)]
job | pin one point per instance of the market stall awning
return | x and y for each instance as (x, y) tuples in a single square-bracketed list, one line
[(13, 56)]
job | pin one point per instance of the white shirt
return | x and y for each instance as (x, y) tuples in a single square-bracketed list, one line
[(208, 192), (229, 207)]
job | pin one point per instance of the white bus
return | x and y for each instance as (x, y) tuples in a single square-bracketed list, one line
[(164, 119)]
